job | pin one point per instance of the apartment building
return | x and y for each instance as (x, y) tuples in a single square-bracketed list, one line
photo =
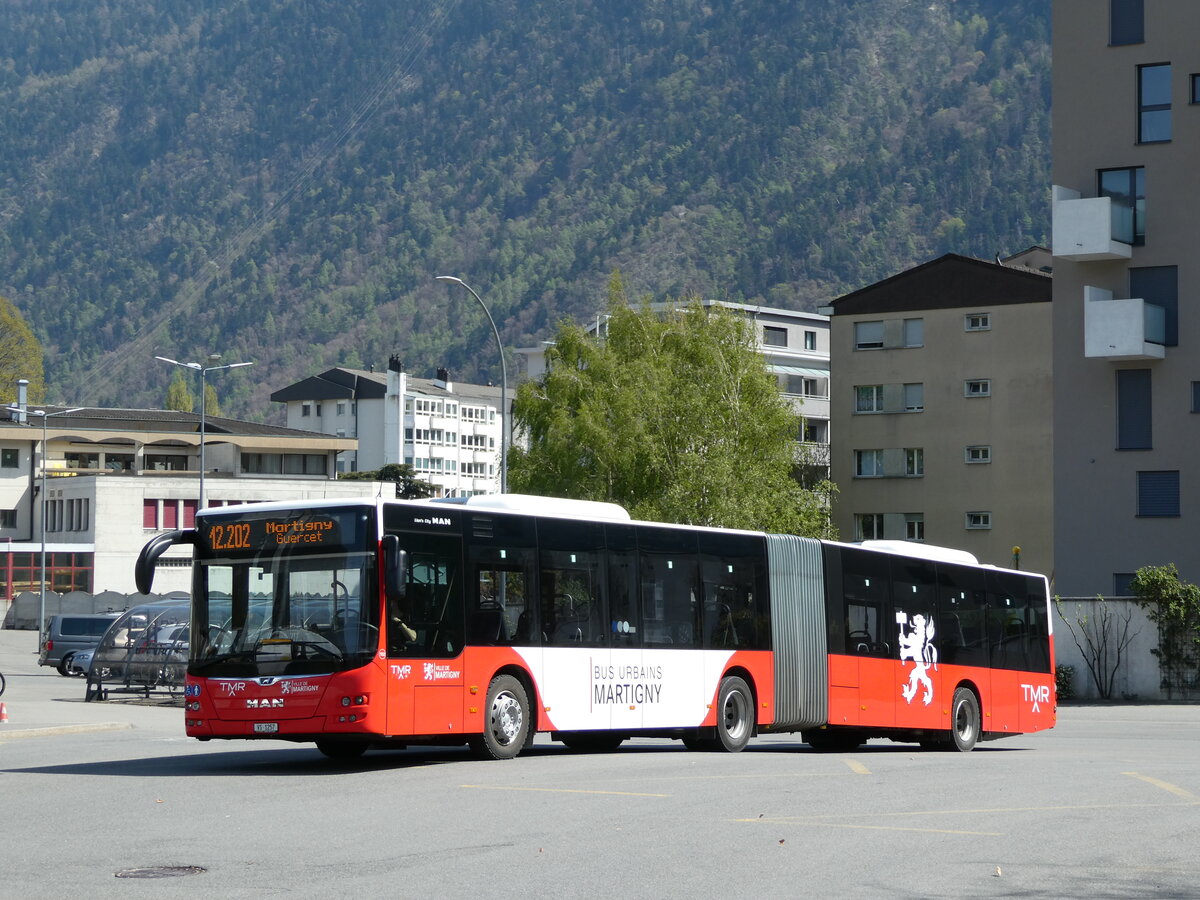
[(1126, 121), (942, 408), (449, 432)]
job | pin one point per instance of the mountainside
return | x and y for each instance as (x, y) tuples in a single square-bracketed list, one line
[(281, 180)]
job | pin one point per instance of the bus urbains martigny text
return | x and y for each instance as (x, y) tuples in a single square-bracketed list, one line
[(485, 621)]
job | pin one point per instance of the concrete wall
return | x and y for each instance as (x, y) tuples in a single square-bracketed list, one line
[(1137, 677)]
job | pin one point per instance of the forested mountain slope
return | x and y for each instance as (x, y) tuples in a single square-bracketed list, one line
[(280, 180)]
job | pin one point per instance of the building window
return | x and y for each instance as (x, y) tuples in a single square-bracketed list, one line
[(284, 464), (1196, 396), (979, 521), (868, 526), (119, 462), (1159, 285), (868, 398), (774, 337), (978, 453), (10, 458), (1158, 494), (1133, 409), (82, 460), (977, 387), (977, 322), (1127, 189), (914, 397), (868, 463), (1194, 88), (1123, 584), (1126, 22), (341, 407), (914, 526), (914, 461), (868, 335), (810, 340), (8, 518), (1154, 103), (305, 409), (914, 332), (815, 431), (165, 462)]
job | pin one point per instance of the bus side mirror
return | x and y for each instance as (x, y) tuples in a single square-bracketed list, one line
[(395, 566), (143, 569)]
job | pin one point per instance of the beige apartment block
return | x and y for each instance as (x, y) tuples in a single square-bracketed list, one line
[(1126, 122), (941, 408)]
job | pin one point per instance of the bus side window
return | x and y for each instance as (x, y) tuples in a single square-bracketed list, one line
[(914, 599), (428, 621), (670, 592), (570, 585), (731, 570), (962, 611), (502, 559), (866, 603), (624, 623)]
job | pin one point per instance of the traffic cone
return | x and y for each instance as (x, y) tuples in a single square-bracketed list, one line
[(3, 713)]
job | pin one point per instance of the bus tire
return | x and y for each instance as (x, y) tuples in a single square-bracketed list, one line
[(507, 726), (342, 751), (964, 719), (735, 714)]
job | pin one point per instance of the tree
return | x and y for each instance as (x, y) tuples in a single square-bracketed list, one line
[(673, 415), (212, 406), (1174, 606), (179, 396), (20, 356), (1102, 637), (408, 486)]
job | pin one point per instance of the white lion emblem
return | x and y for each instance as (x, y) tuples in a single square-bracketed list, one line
[(917, 645)]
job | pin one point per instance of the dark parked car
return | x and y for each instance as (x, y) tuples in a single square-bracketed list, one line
[(66, 635)]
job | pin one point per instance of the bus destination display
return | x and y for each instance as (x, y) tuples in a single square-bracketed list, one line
[(255, 534)]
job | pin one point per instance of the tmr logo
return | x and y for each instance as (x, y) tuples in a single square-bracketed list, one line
[(1036, 694), (401, 672)]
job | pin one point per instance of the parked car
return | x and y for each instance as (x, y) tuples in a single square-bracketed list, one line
[(67, 635)]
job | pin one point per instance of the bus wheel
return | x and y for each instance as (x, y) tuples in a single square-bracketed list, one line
[(343, 751), (964, 713), (735, 714), (507, 723)]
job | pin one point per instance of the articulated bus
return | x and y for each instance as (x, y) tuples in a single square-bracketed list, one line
[(483, 622)]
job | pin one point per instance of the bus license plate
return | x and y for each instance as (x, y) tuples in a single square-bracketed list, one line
[(266, 727)]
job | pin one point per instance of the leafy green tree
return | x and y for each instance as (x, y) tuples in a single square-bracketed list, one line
[(20, 356), (673, 415), (179, 395), (1174, 606), (408, 486), (212, 406)]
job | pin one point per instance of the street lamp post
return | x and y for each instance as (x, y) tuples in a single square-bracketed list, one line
[(503, 382), (46, 416), (203, 370)]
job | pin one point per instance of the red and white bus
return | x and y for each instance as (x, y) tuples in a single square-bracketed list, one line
[(486, 621)]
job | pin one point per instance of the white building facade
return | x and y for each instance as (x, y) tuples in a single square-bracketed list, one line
[(449, 433)]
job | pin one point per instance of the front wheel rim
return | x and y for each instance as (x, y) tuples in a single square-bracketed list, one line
[(734, 714), (506, 718)]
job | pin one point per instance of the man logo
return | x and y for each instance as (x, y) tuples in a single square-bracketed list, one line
[(265, 703)]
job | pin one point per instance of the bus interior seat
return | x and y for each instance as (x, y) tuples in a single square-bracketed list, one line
[(486, 625)]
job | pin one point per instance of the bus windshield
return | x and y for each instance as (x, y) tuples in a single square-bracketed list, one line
[(272, 610)]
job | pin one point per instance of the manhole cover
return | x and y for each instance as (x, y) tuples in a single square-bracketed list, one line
[(159, 871)]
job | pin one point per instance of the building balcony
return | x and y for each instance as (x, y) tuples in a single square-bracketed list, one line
[(1121, 329), (1091, 228)]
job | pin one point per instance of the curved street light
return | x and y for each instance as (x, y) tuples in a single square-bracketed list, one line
[(203, 370), (503, 381)]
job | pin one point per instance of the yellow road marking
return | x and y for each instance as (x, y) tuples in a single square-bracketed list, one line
[(1166, 786), (819, 824), (856, 767), (491, 787)]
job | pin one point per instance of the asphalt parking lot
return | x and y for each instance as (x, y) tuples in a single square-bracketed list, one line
[(1105, 805)]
